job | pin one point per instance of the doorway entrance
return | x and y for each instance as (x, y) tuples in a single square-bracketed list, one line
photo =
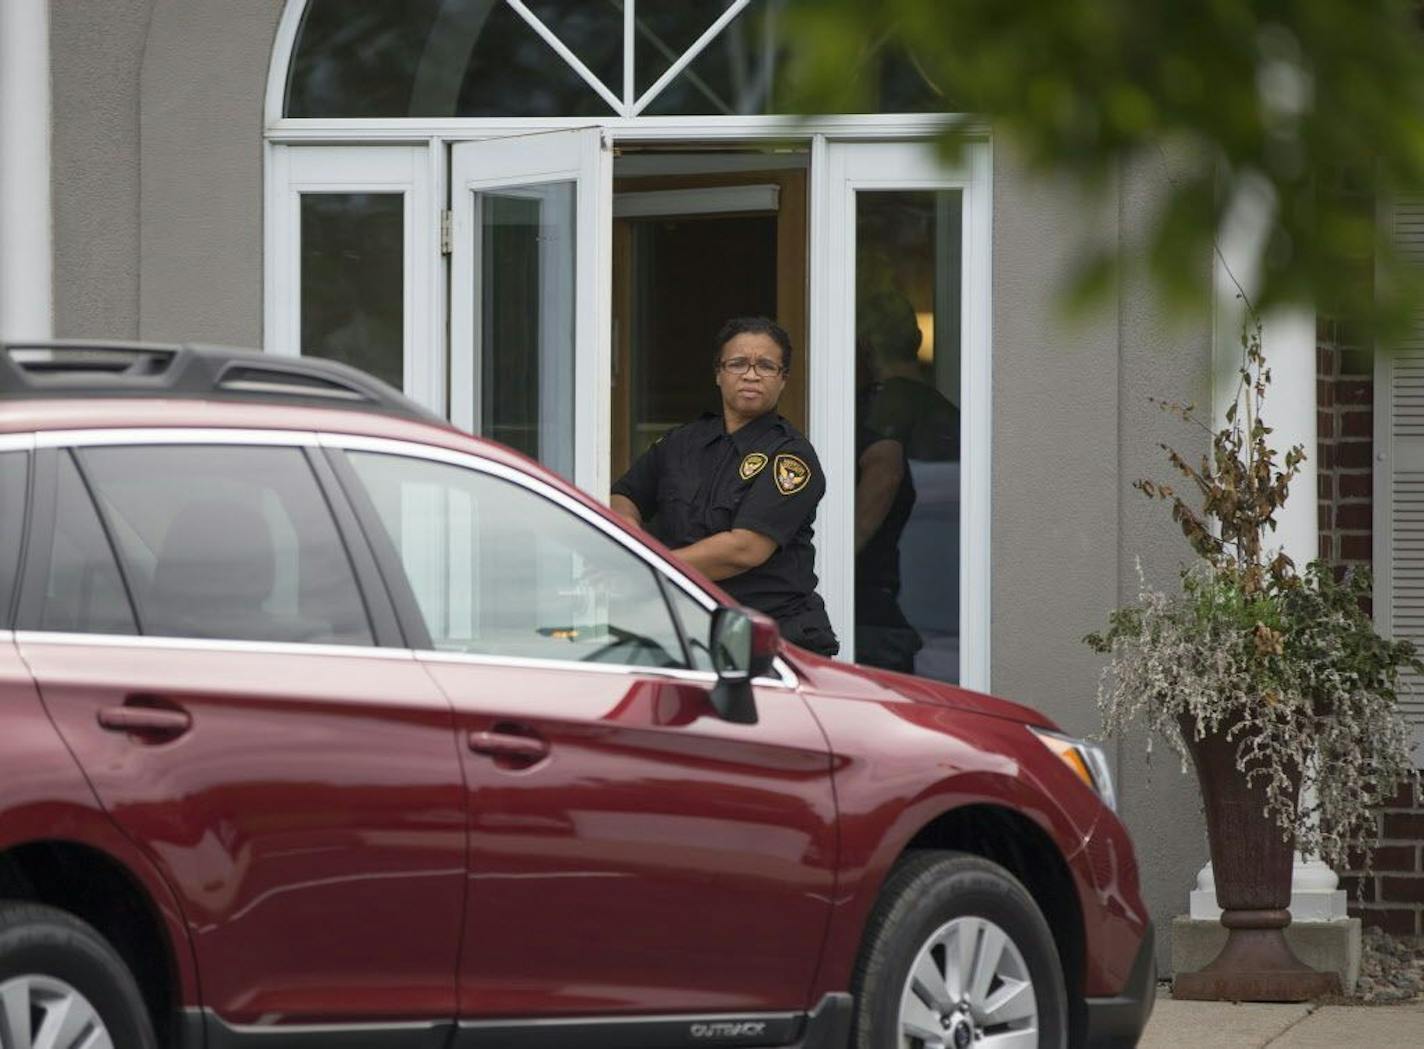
[(698, 238), (563, 296)]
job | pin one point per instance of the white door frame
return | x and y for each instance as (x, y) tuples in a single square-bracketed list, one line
[(869, 152), (406, 170), (839, 170), (582, 157)]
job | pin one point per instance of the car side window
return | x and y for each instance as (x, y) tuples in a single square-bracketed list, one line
[(14, 468), (83, 591), (228, 542), (499, 570), (696, 627)]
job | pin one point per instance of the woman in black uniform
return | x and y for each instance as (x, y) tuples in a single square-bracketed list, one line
[(734, 495)]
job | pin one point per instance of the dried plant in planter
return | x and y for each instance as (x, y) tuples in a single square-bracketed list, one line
[(1266, 678)]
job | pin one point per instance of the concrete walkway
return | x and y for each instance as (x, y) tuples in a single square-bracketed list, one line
[(1212, 1025)]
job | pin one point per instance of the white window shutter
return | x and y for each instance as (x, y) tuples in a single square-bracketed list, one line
[(1399, 471)]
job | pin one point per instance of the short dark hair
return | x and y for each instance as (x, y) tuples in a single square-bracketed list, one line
[(887, 321), (752, 326)]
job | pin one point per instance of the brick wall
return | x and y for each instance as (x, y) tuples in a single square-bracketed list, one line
[(1345, 421), (1392, 897)]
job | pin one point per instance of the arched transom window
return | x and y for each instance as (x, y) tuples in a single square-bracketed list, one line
[(557, 58)]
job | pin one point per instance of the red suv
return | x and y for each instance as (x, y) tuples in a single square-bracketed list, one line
[(324, 724)]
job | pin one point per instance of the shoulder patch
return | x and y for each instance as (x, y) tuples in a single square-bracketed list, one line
[(752, 465), (791, 474)]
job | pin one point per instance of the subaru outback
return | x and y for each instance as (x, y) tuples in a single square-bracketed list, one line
[(325, 724)]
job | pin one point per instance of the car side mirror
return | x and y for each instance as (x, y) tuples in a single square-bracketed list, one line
[(744, 645)]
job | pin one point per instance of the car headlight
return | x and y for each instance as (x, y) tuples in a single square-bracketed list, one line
[(1088, 761)]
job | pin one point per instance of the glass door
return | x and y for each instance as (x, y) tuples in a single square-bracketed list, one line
[(352, 261), (900, 323), (529, 300)]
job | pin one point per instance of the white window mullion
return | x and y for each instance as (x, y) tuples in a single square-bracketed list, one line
[(573, 60), (659, 45), (689, 55), (630, 22)]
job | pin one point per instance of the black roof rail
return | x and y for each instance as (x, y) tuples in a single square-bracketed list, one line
[(86, 368)]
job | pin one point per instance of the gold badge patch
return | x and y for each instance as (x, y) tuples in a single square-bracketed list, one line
[(792, 474), (752, 465)]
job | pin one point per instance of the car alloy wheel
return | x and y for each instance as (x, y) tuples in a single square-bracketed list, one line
[(969, 988), (957, 955), (42, 1012), (63, 986)]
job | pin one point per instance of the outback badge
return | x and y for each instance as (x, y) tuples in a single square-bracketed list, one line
[(728, 1028)]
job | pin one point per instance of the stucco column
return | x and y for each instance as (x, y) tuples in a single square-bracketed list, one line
[(1288, 341), (26, 255)]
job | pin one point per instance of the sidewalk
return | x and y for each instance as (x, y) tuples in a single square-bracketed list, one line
[(1213, 1025)]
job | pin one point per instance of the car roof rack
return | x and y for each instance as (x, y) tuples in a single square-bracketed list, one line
[(45, 369)]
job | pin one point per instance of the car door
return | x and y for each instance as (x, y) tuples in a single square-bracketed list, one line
[(630, 852), (234, 686)]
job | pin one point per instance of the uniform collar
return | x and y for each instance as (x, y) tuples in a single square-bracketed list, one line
[(747, 437)]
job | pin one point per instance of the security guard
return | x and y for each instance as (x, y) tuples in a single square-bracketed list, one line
[(734, 495)]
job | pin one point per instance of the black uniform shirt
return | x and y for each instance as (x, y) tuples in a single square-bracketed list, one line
[(699, 480), (877, 565)]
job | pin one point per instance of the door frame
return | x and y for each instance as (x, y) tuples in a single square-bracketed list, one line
[(840, 170), (582, 156), (407, 170), (830, 139)]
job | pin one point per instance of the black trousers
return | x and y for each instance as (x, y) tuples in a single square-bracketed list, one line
[(810, 627)]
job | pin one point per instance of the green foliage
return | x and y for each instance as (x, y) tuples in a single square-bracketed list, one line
[(1318, 103)]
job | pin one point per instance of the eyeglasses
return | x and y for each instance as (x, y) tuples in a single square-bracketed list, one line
[(766, 368)]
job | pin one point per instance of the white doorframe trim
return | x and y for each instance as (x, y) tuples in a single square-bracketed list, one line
[(779, 128), (582, 157), (839, 170), (407, 170)]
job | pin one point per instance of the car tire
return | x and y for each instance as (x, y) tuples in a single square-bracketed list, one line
[(925, 977), (58, 971)]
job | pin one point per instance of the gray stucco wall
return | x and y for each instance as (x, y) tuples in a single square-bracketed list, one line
[(95, 66), (204, 78), (1072, 429), (1168, 361), (158, 167)]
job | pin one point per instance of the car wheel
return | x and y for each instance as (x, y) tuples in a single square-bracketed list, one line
[(63, 986), (958, 956)]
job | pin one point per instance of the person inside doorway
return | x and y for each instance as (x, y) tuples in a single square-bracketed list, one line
[(884, 499), (908, 448), (734, 493), (902, 405)]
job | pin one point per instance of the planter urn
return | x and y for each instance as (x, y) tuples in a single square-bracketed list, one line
[(1252, 863)]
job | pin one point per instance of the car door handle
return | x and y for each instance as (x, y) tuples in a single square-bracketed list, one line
[(505, 745), (146, 721)]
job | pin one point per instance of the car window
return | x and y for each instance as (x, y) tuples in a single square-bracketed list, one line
[(696, 626), (228, 542), (13, 470), (499, 570), (83, 591)]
